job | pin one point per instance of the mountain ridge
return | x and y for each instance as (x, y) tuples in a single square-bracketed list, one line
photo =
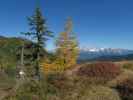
[(93, 53)]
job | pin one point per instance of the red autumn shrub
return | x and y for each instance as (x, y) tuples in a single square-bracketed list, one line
[(103, 70), (125, 89)]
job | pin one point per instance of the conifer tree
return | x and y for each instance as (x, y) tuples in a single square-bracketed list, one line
[(39, 34), (67, 46)]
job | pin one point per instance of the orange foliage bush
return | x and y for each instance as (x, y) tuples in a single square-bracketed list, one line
[(48, 66)]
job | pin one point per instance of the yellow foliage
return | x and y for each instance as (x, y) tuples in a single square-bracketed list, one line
[(66, 51), (57, 65), (51, 66)]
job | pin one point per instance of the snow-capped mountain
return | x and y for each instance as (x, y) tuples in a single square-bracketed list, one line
[(92, 53)]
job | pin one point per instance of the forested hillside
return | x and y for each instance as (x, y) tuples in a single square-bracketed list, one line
[(8, 50)]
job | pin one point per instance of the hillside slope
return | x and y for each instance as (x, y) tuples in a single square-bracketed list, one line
[(8, 51)]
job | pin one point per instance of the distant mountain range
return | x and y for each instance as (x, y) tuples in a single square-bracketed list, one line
[(89, 54)]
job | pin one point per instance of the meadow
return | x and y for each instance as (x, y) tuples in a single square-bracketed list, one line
[(93, 81)]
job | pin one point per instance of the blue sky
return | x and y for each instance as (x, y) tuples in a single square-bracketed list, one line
[(97, 23)]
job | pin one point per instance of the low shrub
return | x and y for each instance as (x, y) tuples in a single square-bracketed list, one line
[(28, 90), (78, 89), (60, 81), (99, 93), (128, 66), (125, 74), (6, 82), (125, 89), (87, 93), (100, 70)]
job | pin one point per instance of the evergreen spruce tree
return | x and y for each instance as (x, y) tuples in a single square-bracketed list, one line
[(39, 34), (67, 47)]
